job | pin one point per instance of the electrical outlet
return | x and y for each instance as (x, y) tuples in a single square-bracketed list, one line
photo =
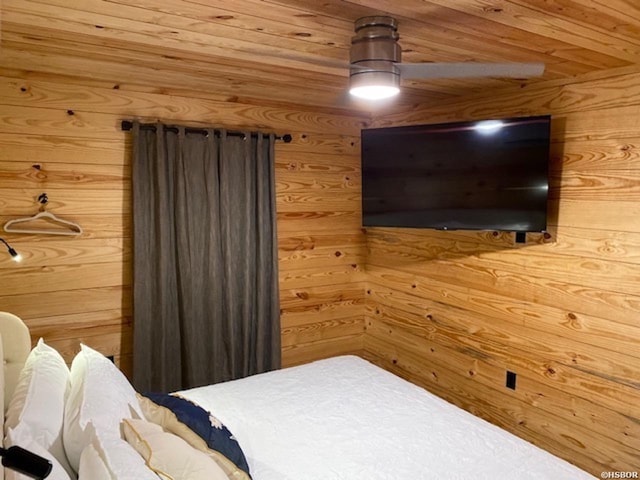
[(521, 237), (511, 380)]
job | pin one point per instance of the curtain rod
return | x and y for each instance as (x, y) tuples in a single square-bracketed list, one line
[(127, 126)]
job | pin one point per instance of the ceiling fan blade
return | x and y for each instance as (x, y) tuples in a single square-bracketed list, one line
[(469, 70)]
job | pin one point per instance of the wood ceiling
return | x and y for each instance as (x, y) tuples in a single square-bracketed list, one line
[(296, 51)]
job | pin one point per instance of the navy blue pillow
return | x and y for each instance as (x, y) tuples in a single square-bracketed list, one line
[(209, 428)]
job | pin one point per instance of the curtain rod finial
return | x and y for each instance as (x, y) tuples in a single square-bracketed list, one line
[(286, 138)]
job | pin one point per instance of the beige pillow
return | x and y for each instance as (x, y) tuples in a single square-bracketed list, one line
[(168, 421), (120, 458), (169, 456)]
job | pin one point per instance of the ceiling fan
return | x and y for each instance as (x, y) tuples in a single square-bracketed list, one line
[(376, 68)]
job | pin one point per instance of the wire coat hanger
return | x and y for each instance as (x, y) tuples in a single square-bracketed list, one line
[(72, 228)]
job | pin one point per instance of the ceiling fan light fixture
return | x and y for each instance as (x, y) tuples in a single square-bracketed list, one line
[(374, 55), (372, 85), (374, 92)]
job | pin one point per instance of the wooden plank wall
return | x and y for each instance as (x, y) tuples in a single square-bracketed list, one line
[(62, 136), (453, 311)]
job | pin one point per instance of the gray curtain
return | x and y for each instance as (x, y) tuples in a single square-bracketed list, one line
[(205, 286)]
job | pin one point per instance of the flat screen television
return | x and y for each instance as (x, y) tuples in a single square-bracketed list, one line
[(481, 175)]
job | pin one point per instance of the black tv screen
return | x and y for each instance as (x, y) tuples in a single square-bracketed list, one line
[(481, 175)]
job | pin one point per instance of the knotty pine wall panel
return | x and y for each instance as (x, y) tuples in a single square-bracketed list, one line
[(64, 138), (453, 311)]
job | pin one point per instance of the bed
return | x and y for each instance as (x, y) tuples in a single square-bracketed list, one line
[(336, 419)]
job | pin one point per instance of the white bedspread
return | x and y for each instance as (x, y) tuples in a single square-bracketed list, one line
[(346, 419)]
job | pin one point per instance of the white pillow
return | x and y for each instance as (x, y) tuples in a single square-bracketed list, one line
[(23, 440), (36, 410), (121, 460), (100, 394), (168, 455), (92, 467)]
